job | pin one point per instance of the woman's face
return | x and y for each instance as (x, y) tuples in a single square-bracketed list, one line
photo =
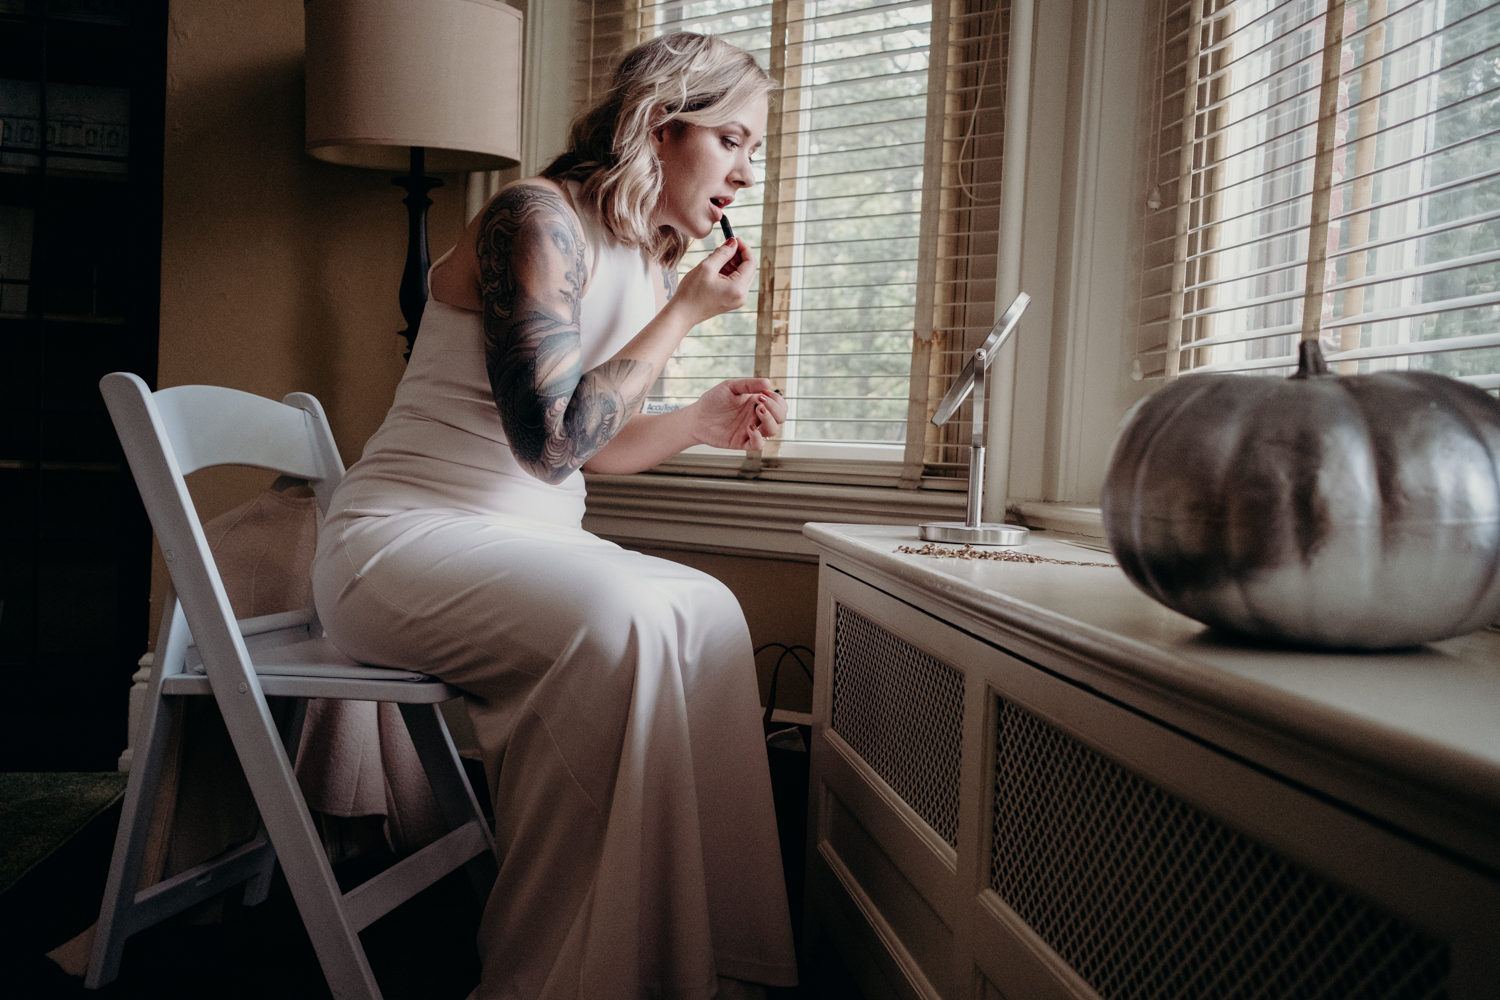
[(703, 168)]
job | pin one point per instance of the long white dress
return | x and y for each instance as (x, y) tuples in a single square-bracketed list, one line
[(613, 693)]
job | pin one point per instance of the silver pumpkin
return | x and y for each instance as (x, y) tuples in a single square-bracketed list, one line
[(1358, 511)]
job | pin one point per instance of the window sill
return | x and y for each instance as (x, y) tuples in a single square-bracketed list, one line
[(746, 517), (828, 470), (761, 519), (1064, 518)]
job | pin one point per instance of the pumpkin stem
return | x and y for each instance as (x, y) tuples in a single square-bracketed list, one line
[(1310, 363)]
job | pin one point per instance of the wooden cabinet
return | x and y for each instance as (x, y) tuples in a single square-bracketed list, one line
[(1030, 781)]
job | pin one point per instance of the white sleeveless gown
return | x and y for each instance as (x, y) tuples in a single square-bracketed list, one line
[(613, 693)]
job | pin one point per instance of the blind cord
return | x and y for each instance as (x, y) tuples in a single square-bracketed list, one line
[(1159, 96), (984, 72)]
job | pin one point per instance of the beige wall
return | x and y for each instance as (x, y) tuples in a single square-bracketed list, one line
[(279, 274), (279, 271)]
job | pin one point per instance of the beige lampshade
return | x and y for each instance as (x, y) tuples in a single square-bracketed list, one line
[(385, 75)]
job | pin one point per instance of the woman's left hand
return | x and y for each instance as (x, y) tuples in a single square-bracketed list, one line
[(740, 413)]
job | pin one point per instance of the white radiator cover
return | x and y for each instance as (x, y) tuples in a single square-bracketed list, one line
[(995, 814)]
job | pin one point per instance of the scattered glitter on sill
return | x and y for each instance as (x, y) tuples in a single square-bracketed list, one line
[(998, 555)]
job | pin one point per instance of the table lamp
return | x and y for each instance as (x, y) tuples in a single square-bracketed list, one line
[(415, 84)]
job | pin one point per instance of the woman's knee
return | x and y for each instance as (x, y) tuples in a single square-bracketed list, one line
[(649, 602), (618, 621)]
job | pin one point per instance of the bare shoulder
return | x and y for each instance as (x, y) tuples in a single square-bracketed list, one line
[(532, 187), (531, 203), (530, 247), (531, 217), (528, 221)]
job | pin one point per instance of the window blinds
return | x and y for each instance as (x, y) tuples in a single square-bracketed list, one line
[(1397, 223), (875, 216)]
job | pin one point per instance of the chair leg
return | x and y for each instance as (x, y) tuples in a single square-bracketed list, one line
[(258, 886), (268, 769), (130, 844), (140, 802), (292, 717), (450, 786)]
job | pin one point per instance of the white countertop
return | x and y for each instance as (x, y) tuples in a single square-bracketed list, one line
[(1432, 712)]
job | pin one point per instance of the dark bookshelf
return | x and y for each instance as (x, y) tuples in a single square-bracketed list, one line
[(82, 99)]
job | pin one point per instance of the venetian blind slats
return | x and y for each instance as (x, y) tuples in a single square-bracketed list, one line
[(852, 78), (960, 242), (1411, 265), (1175, 46), (875, 215), (837, 287)]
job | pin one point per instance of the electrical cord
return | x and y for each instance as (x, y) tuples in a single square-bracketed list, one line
[(776, 672)]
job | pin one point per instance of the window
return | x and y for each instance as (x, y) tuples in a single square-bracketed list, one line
[(876, 215), (1396, 218)]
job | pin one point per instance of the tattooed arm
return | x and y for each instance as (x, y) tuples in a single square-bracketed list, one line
[(531, 279), (532, 274)]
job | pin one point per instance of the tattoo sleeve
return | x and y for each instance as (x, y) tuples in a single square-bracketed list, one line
[(531, 278)]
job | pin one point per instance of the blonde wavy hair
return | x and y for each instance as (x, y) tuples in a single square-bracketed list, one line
[(682, 77)]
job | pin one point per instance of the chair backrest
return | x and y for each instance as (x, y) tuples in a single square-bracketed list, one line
[(170, 433), (205, 425)]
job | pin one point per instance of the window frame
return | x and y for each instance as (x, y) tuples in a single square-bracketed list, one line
[(1076, 214)]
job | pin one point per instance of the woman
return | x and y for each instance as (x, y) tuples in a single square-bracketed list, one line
[(613, 694)]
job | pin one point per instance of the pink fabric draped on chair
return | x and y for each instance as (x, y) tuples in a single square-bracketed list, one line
[(356, 764)]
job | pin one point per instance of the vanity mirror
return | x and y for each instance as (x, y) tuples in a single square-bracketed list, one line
[(973, 530)]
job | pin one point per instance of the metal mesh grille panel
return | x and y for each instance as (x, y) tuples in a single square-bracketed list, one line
[(902, 710), (1146, 897)]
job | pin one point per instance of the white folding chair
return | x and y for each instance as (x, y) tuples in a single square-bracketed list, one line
[(203, 652)]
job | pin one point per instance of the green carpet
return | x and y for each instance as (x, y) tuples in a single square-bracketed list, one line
[(40, 812)]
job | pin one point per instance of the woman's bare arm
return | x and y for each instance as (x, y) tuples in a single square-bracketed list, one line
[(739, 413), (531, 279)]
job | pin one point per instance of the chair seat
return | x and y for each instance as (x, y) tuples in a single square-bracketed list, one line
[(320, 658), (315, 668)]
